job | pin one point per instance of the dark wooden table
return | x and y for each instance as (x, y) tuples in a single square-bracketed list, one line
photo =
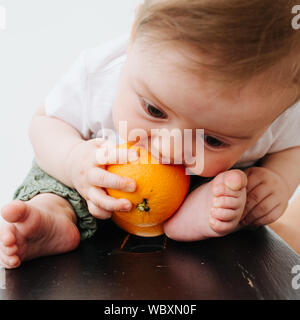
[(115, 265)]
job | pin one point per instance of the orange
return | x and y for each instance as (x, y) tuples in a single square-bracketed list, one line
[(161, 189)]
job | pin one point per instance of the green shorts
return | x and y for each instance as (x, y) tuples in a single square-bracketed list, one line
[(38, 181)]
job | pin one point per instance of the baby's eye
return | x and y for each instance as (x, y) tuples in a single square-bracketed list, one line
[(154, 112), (213, 142)]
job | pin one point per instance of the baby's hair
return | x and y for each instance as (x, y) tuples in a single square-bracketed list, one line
[(242, 38)]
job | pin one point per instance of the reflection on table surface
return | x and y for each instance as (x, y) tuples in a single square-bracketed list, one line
[(116, 265)]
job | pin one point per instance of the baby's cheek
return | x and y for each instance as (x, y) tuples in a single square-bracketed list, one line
[(127, 128), (213, 165)]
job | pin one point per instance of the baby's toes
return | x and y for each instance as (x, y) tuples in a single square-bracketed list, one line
[(224, 221), (7, 235), (9, 251), (220, 189), (9, 262), (225, 215), (228, 202), (222, 228), (8, 248), (229, 183), (14, 211)]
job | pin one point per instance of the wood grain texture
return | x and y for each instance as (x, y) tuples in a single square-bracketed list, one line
[(112, 265)]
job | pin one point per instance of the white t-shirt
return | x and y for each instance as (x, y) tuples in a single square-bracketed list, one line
[(84, 97)]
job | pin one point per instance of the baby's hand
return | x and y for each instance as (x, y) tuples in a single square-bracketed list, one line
[(87, 172), (267, 197)]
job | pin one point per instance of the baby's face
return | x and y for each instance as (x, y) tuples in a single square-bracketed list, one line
[(155, 92)]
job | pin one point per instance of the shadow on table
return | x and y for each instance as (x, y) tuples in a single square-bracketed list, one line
[(115, 265)]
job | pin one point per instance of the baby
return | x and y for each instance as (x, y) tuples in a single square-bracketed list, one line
[(228, 67)]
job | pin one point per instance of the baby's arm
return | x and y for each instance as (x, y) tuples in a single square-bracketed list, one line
[(271, 185), (52, 140), (62, 153)]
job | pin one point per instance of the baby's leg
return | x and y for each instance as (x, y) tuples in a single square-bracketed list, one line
[(214, 209), (44, 225)]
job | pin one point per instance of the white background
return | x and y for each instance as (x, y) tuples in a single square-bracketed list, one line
[(41, 41)]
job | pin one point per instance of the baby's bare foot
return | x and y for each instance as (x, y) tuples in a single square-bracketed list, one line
[(212, 210), (228, 202), (44, 225)]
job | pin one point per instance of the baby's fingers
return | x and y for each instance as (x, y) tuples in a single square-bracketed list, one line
[(98, 212), (270, 217), (101, 200), (104, 179), (255, 196), (261, 209)]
